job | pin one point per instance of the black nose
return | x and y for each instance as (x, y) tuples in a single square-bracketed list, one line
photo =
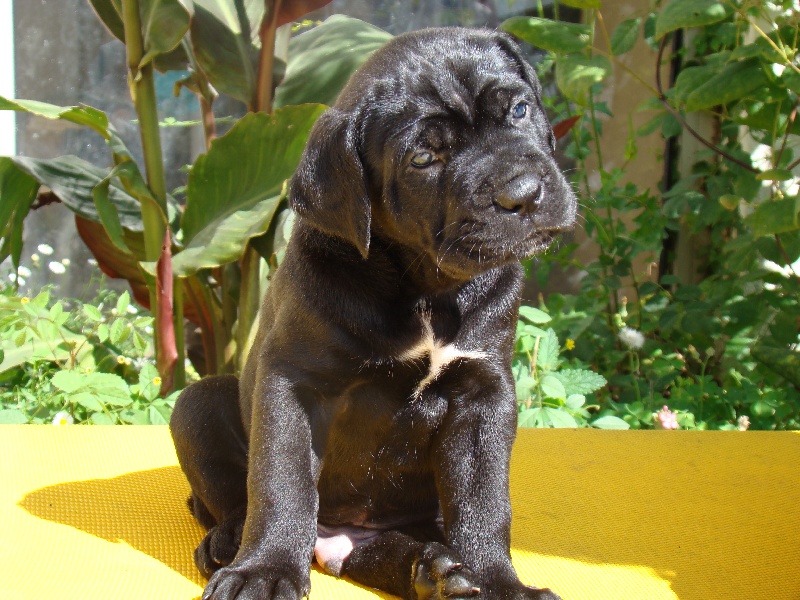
[(521, 195)]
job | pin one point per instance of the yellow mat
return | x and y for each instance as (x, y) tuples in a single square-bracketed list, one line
[(98, 513)]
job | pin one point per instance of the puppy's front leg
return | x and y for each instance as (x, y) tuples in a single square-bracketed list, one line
[(472, 460), (274, 558)]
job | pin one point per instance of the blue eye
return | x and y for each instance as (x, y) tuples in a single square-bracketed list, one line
[(520, 110), (422, 159)]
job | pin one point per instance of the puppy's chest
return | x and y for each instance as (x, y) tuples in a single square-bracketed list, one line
[(432, 355)]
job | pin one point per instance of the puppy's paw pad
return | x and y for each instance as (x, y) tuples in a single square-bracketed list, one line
[(440, 575)]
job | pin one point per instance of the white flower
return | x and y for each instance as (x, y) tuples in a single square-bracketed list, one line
[(65, 262), (63, 418), (35, 258), (24, 271), (91, 261), (45, 249), (57, 268), (132, 310), (632, 338), (743, 422)]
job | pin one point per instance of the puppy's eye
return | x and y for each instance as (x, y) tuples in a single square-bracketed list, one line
[(519, 110), (422, 159)]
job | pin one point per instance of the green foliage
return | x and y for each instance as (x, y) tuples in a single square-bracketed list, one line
[(234, 191), (64, 361), (549, 394), (720, 350)]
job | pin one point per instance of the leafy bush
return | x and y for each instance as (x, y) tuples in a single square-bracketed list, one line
[(64, 361), (718, 346)]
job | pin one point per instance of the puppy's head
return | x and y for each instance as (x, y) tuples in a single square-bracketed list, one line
[(438, 144)]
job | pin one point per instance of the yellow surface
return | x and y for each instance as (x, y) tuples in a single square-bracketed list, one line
[(98, 513)]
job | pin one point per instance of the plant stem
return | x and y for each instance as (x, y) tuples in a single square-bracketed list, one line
[(142, 89), (263, 100)]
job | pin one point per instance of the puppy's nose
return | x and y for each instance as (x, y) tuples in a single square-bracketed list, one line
[(521, 195)]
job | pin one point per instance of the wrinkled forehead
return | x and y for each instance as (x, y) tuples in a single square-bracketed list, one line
[(464, 78), (436, 68)]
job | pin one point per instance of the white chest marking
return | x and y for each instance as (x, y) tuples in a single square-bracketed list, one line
[(439, 355)]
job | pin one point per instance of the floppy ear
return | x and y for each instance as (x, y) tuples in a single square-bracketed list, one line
[(328, 188)]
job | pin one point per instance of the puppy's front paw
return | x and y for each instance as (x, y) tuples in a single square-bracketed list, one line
[(219, 547), (440, 575), (264, 583)]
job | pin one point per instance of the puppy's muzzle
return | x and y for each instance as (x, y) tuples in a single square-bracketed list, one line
[(521, 196)]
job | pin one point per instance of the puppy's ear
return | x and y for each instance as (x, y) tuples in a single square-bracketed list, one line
[(328, 188)]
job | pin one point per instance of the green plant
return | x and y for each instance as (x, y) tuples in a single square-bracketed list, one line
[(201, 259), (69, 361), (717, 344)]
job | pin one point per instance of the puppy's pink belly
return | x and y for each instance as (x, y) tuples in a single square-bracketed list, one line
[(334, 544)]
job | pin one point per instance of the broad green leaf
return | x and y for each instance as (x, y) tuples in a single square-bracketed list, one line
[(688, 13), (80, 115), (226, 44), (17, 192), (110, 13), (92, 312), (576, 74), (736, 80), (580, 381), (107, 212), (88, 400), (233, 190), (534, 315), (554, 36), (101, 418), (322, 59), (778, 216), (575, 401), (68, 381), (624, 36), (164, 23), (610, 422), (12, 416), (560, 418), (158, 415), (529, 417), (553, 388), (547, 357), (72, 180)]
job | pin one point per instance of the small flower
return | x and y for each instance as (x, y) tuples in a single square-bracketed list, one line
[(91, 261), (24, 271), (132, 310), (666, 419), (35, 258), (632, 338), (157, 381), (743, 422), (57, 268), (569, 344), (65, 262), (45, 249), (24, 300), (63, 418), (120, 360)]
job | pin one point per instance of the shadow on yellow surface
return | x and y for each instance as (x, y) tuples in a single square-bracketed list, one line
[(716, 516), (145, 509)]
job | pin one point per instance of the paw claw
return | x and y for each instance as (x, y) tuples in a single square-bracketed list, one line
[(440, 575)]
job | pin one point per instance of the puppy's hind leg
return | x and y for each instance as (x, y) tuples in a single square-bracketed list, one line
[(414, 570), (210, 442)]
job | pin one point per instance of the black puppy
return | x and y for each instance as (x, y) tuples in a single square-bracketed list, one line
[(374, 419)]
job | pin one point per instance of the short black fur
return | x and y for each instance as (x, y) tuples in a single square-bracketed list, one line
[(378, 396)]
